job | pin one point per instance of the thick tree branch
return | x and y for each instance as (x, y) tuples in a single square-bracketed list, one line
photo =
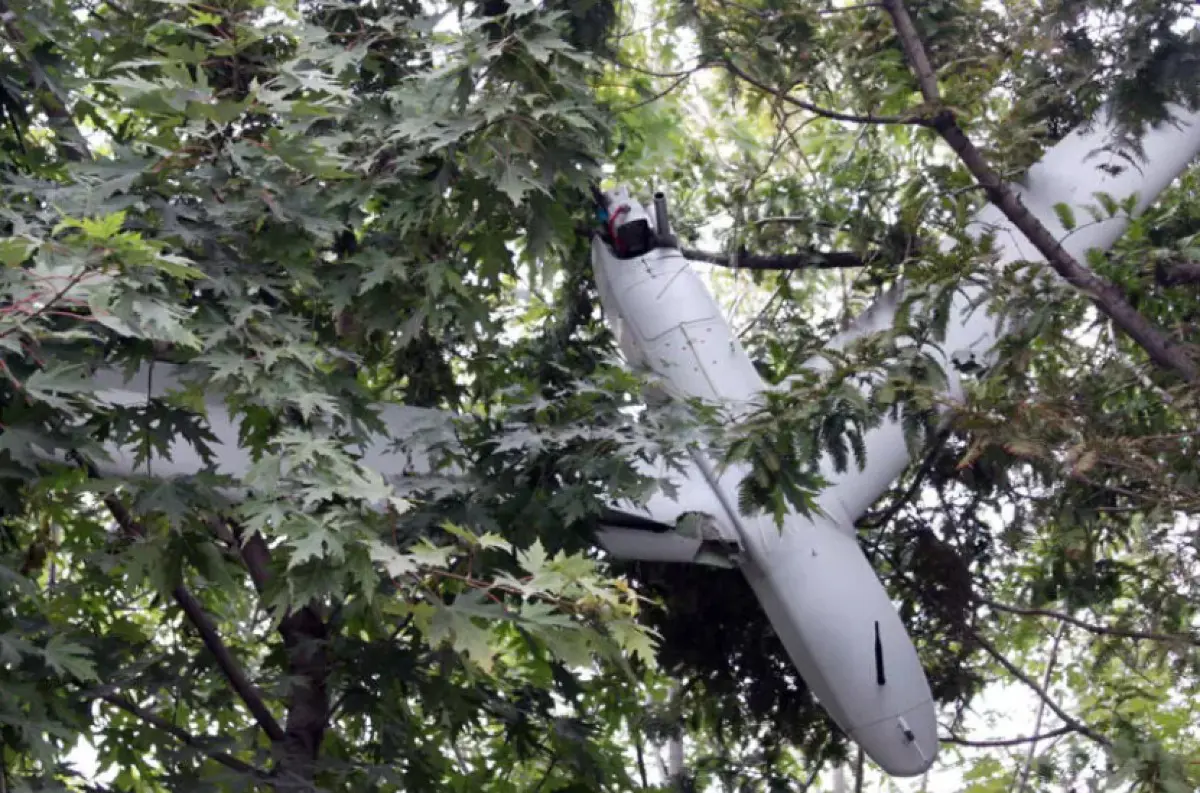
[(1177, 273), (804, 260), (182, 735), (1106, 296), (204, 625), (1072, 722), (1099, 630), (913, 118), (306, 642), (910, 41), (254, 553), (305, 639), (807, 260)]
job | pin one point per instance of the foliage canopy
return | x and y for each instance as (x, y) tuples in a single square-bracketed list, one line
[(315, 206)]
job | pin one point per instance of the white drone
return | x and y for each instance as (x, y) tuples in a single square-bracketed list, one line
[(820, 594)]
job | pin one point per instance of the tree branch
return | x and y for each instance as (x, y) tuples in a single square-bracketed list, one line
[(811, 778), (910, 41), (1072, 722), (1041, 711), (53, 103), (678, 81), (807, 260), (913, 118), (844, 9), (254, 553), (1002, 742), (182, 735), (804, 260), (1099, 630), (305, 640), (549, 770), (204, 625), (1105, 295), (1178, 273), (640, 749)]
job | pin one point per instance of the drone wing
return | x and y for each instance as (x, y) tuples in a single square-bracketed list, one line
[(684, 521)]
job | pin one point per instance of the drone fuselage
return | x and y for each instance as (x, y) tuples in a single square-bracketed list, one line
[(820, 594)]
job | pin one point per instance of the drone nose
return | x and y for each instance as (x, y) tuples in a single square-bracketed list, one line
[(903, 745)]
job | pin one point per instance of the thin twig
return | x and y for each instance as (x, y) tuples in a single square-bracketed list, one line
[(72, 282), (549, 770), (998, 743), (844, 9), (656, 96), (671, 75), (1012, 669), (641, 758), (811, 778), (1023, 780), (914, 118), (1099, 630), (182, 735), (931, 458)]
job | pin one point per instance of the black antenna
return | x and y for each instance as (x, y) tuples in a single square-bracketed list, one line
[(880, 674), (662, 222), (663, 238)]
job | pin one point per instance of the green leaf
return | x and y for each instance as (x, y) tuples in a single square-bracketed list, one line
[(464, 636), (13, 647), (177, 266), (633, 639), (533, 559), (47, 384), (68, 658), (490, 541), (427, 554), (572, 647), (513, 184), (397, 564), (1066, 216), (316, 544), (14, 251)]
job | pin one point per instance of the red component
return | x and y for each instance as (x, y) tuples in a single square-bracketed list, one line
[(612, 226)]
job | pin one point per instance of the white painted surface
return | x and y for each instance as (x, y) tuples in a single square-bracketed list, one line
[(811, 578), (1069, 173), (814, 583)]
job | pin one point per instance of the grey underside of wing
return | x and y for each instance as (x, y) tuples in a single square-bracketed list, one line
[(682, 521)]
